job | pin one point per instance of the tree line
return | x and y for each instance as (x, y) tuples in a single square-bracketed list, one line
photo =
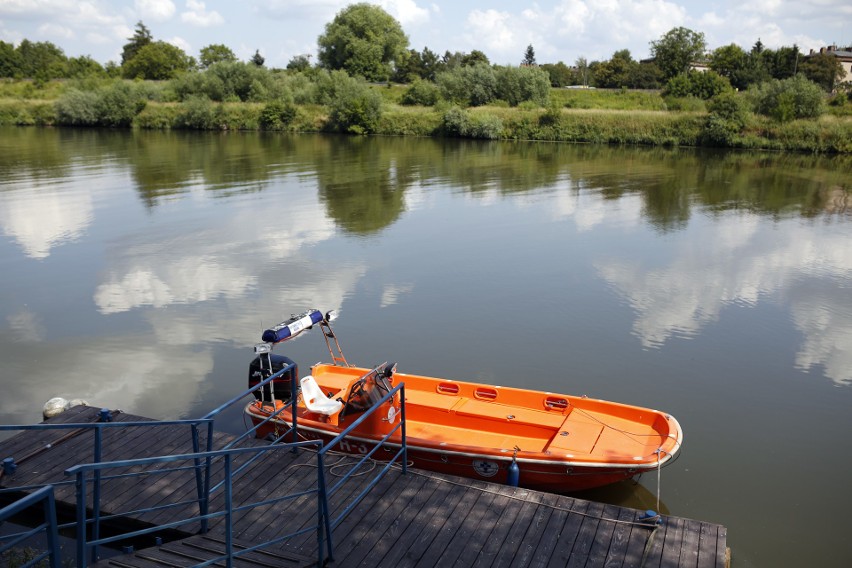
[(363, 44)]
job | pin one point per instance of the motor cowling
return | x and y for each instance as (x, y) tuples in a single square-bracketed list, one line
[(264, 366)]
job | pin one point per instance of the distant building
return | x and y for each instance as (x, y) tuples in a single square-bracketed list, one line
[(843, 54)]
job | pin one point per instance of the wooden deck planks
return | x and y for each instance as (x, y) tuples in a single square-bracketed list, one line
[(421, 519)]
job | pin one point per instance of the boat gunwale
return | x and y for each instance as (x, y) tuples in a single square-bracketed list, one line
[(425, 445)]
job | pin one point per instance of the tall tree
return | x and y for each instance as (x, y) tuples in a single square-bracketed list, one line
[(257, 58), (677, 50), (582, 65), (141, 37), (363, 40), (157, 61), (560, 74), (41, 60), (529, 56), (475, 57), (299, 62), (214, 53), (10, 60), (731, 61), (823, 69)]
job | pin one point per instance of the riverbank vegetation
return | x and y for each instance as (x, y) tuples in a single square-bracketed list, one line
[(403, 92)]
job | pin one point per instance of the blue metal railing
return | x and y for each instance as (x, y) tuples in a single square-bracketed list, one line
[(87, 547), (402, 454), (43, 496), (202, 469)]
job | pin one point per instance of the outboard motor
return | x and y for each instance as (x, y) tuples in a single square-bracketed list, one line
[(264, 366)]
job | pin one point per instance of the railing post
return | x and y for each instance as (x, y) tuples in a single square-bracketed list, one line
[(404, 443), (51, 532), (199, 483), (229, 509), (81, 518), (323, 517), (96, 494), (293, 408), (207, 464)]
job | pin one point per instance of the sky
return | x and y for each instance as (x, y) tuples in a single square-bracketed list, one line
[(559, 30)]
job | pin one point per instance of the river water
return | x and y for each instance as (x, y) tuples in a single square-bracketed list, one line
[(139, 268)]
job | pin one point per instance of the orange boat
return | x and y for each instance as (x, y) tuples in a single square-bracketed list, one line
[(540, 440)]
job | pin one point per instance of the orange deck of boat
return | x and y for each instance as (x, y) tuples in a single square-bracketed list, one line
[(463, 414)]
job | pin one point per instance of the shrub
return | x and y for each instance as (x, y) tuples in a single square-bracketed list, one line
[(486, 126), (354, 107), (424, 93), (277, 114), (787, 99), (702, 84), (118, 104), (461, 123), (519, 84), (473, 85), (552, 115), (456, 122), (196, 112), (77, 108)]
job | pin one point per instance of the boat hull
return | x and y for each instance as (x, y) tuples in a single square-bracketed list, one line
[(551, 475)]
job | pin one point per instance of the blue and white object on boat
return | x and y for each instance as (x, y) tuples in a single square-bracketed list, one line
[(292, 327)]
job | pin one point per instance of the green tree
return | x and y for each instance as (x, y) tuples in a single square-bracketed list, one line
[(299, 63), (617, 72), (41, 60), (475, 57), (141, 37), (354, 107), (363, 40), (727, 116), (788, 99), (450, 60), (560, 74), (518, 84), (783, 62), (701, 84), (529, 56), (420, 92), (214, 53), (677, 50), (157, 61), (474, 85), (83, 66), (422, 65), (582, 65), (10, 60), (257, 59), (823, 69), (731, 61)]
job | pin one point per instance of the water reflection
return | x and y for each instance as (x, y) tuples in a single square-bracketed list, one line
[(140, 267)]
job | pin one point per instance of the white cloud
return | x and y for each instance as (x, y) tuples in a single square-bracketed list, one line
[(156, 10), (40, 218), (407, 12), (491, 29), (392, 292), (181, 43), (737, 264), (197, 15), (55, 32)]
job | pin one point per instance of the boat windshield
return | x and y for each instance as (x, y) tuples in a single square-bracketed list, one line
[(369, 389)]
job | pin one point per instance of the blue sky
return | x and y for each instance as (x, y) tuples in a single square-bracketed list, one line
[(559, 30)]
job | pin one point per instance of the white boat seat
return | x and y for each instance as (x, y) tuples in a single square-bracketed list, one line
[(315, 399)]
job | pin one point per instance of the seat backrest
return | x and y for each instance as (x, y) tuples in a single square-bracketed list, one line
[(315, 399)]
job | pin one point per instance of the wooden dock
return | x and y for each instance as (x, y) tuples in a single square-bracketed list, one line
[(417, 519)]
